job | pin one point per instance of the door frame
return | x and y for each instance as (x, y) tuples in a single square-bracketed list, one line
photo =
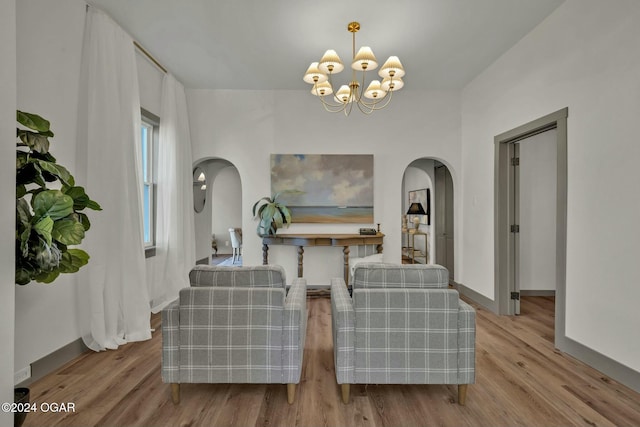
[(503, 250)]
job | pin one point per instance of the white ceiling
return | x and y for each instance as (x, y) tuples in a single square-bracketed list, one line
[(268, 44)]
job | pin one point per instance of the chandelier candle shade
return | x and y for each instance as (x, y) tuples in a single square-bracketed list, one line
[(378, 94)]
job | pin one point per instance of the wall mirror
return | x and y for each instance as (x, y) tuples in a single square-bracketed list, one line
[(199, 189)]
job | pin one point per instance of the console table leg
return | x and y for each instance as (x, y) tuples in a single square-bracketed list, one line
[(379, 248), (346, 251), (265, 254), (300, 252)]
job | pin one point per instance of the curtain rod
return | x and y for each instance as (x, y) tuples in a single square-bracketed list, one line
[(141, 49), (148, 55)]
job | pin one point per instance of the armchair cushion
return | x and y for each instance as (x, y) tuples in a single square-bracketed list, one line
[(381, 275), (269, 276)]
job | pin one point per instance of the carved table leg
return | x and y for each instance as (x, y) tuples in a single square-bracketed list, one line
[(265, 254), (300, 256), (379, 248)]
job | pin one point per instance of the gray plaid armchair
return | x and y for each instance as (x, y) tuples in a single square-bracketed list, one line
[(402, 325), (235, 325)]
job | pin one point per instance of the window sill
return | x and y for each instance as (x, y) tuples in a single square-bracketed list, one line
[(149, 251)]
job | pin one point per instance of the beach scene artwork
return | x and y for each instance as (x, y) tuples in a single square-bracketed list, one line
[(333, 188)]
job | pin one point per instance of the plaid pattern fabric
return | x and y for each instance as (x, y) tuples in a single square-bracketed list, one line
[(342, 329), (270, 276), (294, 331), (406, 336), (466, 344), (403, 327), (171, 343), (380, 275), (231, 335), (235, 334)]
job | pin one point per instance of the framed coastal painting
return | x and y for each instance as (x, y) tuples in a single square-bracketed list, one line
[(331, 188), (422, 196)]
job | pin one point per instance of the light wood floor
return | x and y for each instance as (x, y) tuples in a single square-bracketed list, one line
[(521, 381)]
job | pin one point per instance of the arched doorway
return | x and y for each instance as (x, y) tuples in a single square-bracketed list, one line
[(428, 237), (221, 210)]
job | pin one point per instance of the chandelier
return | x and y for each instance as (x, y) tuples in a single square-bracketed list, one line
[(375, 97)]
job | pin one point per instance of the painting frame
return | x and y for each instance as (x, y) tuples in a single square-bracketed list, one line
[(422, 196), (328, 188)]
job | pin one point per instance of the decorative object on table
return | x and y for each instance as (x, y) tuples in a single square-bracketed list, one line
[(337, 188), (368, 231), (272, 214), (377, 94), (48, 221), (422, 196), (416, 209), (199, 189)]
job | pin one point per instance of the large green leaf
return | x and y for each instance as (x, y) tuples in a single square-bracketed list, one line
[(68, 232), (47, 276), (44, 227), (24, 275), (84, 220), (33, 121), (72, 260), (52, 203), (58, 171), (29, 174), (23, 212), (35, 141), (80, 199)]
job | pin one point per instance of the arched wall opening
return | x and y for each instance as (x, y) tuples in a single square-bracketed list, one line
[(429, 238), (222, 208)]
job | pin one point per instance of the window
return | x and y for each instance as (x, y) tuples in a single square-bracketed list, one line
[(149, 132)]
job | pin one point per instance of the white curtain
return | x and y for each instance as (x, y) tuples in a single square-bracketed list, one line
[(113, 295), (175, 233)]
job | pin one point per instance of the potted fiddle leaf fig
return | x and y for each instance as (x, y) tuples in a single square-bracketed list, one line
[(49, 205), (272, 214)]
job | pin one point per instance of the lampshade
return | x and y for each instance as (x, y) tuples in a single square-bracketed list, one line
[(314, 75), (374, 90), (343, 94), (322, 89), (388, 86), (330, 62), (392, 67), (364, 59), (416, 209)]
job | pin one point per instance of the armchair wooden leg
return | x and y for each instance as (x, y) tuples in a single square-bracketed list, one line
[(345, 393), (175, 393), (462, 393), (291, 393)]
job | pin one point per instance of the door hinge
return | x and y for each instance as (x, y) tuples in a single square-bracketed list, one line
[(515, 228), (515, 161), (515, 296)]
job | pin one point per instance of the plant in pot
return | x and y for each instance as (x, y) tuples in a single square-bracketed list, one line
[(49, 217), (272, 213)]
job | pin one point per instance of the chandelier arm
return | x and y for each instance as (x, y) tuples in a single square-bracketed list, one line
[(375, 105)]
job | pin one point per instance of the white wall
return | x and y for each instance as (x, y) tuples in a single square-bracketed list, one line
[(7, 189), (245, 127), (538, 212), (47, 84), (226, 207), (584, 56)]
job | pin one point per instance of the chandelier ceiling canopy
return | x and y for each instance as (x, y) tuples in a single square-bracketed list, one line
[(377, 93)]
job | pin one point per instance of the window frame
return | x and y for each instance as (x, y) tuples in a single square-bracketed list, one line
[(152, 123)]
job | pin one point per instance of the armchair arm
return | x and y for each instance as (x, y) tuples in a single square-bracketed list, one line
[(343, 330), (294, 331), (466, 344), (171, 343)]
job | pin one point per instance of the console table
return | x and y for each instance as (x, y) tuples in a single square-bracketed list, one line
[(302, 240)]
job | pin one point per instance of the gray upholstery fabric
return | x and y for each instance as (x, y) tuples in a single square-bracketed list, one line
[(271, 276), (380, 275), (235, 334), (409, 330)]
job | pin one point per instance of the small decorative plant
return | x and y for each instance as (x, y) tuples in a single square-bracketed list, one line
[(272, 214), (48, 220)]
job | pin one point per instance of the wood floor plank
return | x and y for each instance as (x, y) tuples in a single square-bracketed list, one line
[(521, 380)]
